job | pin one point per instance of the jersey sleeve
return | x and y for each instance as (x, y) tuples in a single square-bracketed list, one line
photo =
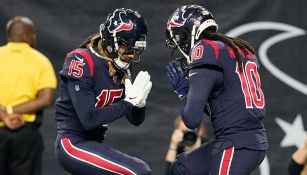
[(78, 65), (205, 52), (83, 99), (137, 116), (201, 83)]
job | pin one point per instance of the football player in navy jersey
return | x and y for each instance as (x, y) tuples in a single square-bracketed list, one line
[(96, 89), (218, 74)]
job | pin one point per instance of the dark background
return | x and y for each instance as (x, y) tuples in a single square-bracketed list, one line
[(62, 25)]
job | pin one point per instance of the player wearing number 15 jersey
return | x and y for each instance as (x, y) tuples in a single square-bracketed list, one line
[(96, 90), (219, 74)]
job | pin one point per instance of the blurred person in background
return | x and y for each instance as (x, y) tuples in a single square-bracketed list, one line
[(27, 86), (96, 89), (298, 162), (183, 140), (219, 72)]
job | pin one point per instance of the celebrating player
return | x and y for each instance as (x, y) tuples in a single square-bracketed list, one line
[(221, 73), (96, 90)]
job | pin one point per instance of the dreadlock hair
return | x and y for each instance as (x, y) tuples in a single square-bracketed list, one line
[(236, 44), (95, 41)]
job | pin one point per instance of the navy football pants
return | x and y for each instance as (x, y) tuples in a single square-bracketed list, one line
[(86, 157), (211, 159)]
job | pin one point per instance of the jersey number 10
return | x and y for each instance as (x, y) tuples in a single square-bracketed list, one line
[(251, 85)]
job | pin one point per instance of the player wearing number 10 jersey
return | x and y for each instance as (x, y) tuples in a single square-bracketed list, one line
[(222, 74)]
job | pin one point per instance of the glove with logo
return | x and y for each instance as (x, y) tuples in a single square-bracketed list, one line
[(179, 82), (137, 93)]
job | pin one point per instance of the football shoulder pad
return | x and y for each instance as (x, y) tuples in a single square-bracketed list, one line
[(206, 52), (78, 64)]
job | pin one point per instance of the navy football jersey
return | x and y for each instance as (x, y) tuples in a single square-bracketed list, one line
[(237, 103), (90, 98)]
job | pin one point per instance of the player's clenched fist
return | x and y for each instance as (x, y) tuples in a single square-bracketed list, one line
[(137, 93)]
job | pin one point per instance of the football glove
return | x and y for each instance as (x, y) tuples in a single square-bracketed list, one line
[(137, 93), (179, 83), (147, 90)]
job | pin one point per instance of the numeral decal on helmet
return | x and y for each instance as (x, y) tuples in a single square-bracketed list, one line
[(251, 85), (106, 97)]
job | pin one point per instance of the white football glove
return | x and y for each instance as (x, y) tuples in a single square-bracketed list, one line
[(137, 93), (147, 90)]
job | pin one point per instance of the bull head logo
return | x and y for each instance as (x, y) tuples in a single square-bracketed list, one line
[(177, 19), (117, 24)]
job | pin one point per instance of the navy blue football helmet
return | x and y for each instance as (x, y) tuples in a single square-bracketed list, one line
[(185, 26), (124, 27)]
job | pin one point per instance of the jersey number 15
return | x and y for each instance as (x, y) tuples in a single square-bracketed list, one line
[(251, 85)]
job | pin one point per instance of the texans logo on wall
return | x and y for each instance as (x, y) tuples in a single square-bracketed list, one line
[(294, 132)]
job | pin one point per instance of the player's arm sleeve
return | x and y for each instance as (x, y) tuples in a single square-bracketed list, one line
[(83, 100), (137, 116), (201, 83)]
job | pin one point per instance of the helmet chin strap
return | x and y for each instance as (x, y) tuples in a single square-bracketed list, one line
[(120, 64)]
